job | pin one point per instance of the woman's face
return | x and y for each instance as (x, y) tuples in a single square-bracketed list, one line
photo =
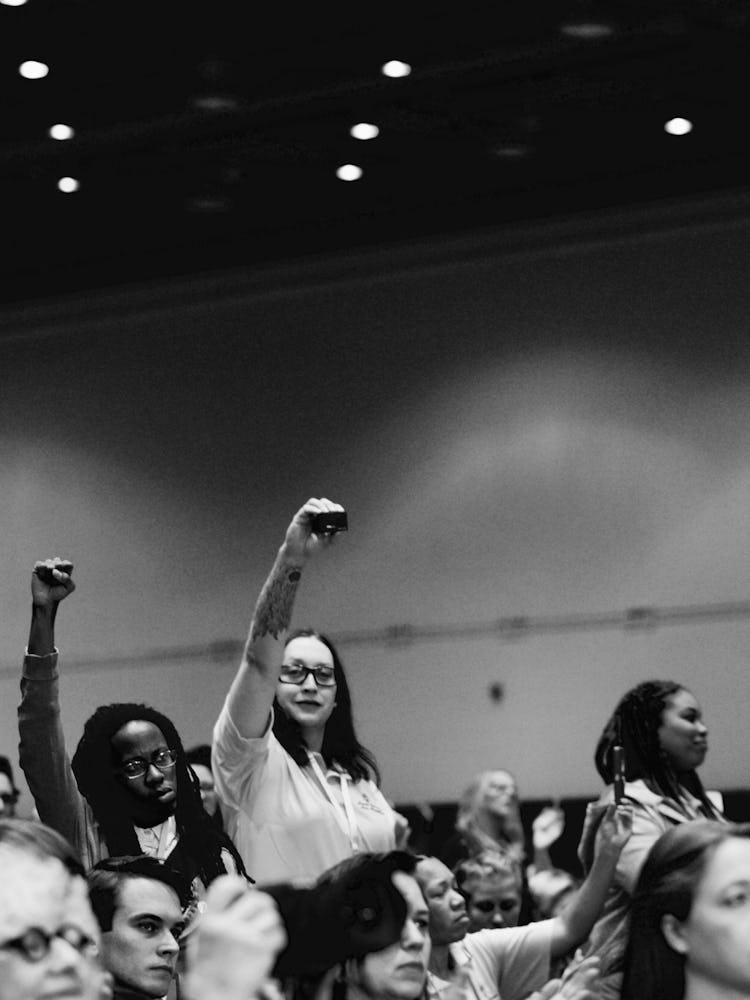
[(307, 703), (715, 938), (494, 901), (682, 735), (398, 972), (498, 794), (449, 920)]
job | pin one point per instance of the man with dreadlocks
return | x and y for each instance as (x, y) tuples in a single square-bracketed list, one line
[(129, 789), (658, 726)]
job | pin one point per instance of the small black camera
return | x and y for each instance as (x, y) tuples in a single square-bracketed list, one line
[(330, 522)]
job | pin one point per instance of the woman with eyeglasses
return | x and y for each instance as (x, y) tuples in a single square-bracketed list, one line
[(286, 756), (128, 789)]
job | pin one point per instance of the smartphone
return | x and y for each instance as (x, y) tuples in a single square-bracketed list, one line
[(329, 522), (618, 767)]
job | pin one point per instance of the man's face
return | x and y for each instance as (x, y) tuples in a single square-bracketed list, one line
[(41, 894), (140, 742), (8, 796), (141, 948)]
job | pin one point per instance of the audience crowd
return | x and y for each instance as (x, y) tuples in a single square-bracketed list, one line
[(270, 866)]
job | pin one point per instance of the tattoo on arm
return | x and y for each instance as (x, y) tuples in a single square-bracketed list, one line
[(273, 612)]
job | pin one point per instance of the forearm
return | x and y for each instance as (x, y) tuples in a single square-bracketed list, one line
[(42, 630), (576, 923), (251, 694)]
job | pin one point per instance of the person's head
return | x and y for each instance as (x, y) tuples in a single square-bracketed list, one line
[(399, 971), (199, 759), (660, 726), (449, 921), (48, 935), (130, 766), (492, 885), (139, 904), (489, 806), (8, 790), (312, 693), (690, 914)]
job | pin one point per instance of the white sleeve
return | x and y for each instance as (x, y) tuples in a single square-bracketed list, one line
[(235, 759), (520, 956)]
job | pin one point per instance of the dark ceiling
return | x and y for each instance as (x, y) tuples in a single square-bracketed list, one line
[(208, 135)]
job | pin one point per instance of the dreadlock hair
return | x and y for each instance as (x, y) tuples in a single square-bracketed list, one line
[(340, 743), (668, 883), (634, 725), (93, 766)]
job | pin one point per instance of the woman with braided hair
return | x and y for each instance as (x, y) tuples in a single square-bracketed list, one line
[(128, 789), (660, 727)]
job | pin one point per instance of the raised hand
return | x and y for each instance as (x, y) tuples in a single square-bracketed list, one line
[(301, 541), (547, 827), (235, 944), (615, 828), (51, 582)]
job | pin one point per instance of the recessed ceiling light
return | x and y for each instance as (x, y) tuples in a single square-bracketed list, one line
[(587, 31), (511, 150), (395, 68), (68, 185), (364, 130), (349, 172), (13, 3), (61, 132), (33, 70), (216, 102), (678, 126)]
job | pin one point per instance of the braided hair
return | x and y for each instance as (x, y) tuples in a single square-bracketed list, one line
[(634, 725), (93, 766)]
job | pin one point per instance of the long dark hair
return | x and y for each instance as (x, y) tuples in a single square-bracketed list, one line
[(340, 743), (635, 724), (667, 885), (200, 841)]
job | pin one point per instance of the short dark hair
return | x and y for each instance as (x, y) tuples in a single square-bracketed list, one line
[(635, 724), (200, 754), (340, 743), (106, 879), (667, 884), (39, 840), (7, 770)]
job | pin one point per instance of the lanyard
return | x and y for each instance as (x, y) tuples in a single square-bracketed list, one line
[(344, 814)]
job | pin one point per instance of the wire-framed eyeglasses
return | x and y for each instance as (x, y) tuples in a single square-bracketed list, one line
[(296, 673), (35, 944), (135, 768)]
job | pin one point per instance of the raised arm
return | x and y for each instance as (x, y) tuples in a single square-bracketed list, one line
[(573, 926), (42, 746), (252, 691)]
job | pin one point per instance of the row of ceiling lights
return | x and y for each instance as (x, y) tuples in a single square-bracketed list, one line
[(394, 68), (32, 69)]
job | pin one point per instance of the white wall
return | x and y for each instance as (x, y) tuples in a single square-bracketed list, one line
[(557, 432)]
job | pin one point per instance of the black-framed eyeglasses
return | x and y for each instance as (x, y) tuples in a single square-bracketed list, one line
[(296, 673), (163, 759), (35, 944)]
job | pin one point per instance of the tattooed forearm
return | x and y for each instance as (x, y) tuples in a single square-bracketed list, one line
[(273, 612)]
